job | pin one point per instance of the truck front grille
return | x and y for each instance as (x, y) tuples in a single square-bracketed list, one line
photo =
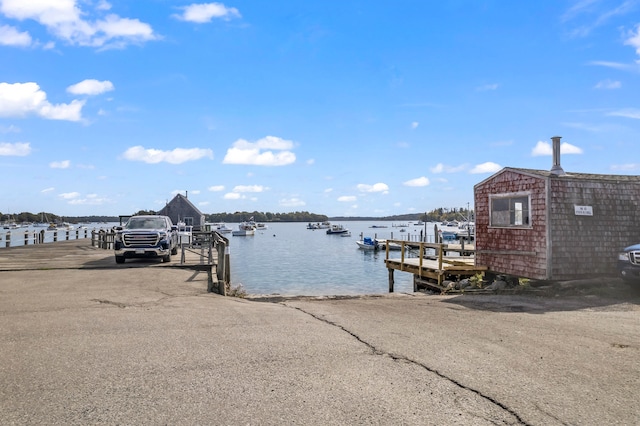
[(634, 257), (140, 239)]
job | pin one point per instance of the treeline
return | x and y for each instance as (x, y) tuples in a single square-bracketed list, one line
[(27, 217), (441, 214), (435, 215), (266, 217)]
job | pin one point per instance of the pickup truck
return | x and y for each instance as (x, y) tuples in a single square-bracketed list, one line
[(629, 263), (146, 236)]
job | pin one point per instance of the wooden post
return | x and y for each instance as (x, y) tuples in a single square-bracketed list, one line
[(41, 239), (8, 240), (390, 280), (440, 265), (421, 254), (26, 238)]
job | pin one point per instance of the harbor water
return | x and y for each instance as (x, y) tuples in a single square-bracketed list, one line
[(290, 260)]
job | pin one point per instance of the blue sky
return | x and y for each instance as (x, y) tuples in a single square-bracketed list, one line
[(357, 108)]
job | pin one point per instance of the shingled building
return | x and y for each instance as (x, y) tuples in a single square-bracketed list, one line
[(180, 209), (555, 225)]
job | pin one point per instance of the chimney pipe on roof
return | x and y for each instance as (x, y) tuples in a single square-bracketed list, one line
[(556, 169)]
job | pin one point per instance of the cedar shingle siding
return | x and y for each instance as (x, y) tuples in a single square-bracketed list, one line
[(181, 209), (557, 243)]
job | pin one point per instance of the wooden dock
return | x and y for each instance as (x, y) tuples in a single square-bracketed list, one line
[(432, 263), (208, 252)]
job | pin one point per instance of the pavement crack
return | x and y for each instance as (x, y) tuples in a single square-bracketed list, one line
[(403, 358), (109, 302)]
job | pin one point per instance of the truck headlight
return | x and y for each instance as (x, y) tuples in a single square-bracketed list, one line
[(624, 257)]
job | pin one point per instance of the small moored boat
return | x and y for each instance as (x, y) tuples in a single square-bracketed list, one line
[(368, 243), (244, 229), (337, 229)]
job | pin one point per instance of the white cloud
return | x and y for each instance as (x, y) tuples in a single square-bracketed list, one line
[(69, 195), (60, 164), (175, 156), (10, 36), (232, 196), (89, 200), (627, 113), (487, 87), (347, 198), (545, 148), (421, 181), (9, 129), (22, 99), (249, 188), (608, 64), (216, 188), (205, 12), (608, 84), (487, 167), (415, 125), (626, 167), (18, 149), (292, 202), (65, 20), (378, 187), (44, 191), (260, 153), (443, 168), (204, 203), (90, 87), (634, 39)]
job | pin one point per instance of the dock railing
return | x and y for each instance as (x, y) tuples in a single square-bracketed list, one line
[(204, 251), (429, 260), (28, 237)]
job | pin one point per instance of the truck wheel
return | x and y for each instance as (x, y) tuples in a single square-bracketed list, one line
[(167, 258), (119, 259)]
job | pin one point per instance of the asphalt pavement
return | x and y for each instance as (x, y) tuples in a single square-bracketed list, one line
[(86, 341)]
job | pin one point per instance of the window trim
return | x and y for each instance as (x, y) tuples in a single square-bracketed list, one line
[(509, 195)]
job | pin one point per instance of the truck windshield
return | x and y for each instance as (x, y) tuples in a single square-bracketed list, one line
[(145, 223)]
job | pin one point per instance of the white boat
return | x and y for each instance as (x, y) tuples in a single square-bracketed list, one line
[(337, 229), (220, 227), (447, 235), (223, 228), (368, 243), (185, 233), (261, 226), (44, 221), (245, 229), (325, 225), (392, 246)]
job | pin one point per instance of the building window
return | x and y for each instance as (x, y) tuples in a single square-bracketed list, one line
[(510, 210)]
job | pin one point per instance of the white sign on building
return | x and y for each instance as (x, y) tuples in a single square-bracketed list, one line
[(584, 210)]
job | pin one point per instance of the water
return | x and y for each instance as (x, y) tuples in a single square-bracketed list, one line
[(288, 259), (18, 235)]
